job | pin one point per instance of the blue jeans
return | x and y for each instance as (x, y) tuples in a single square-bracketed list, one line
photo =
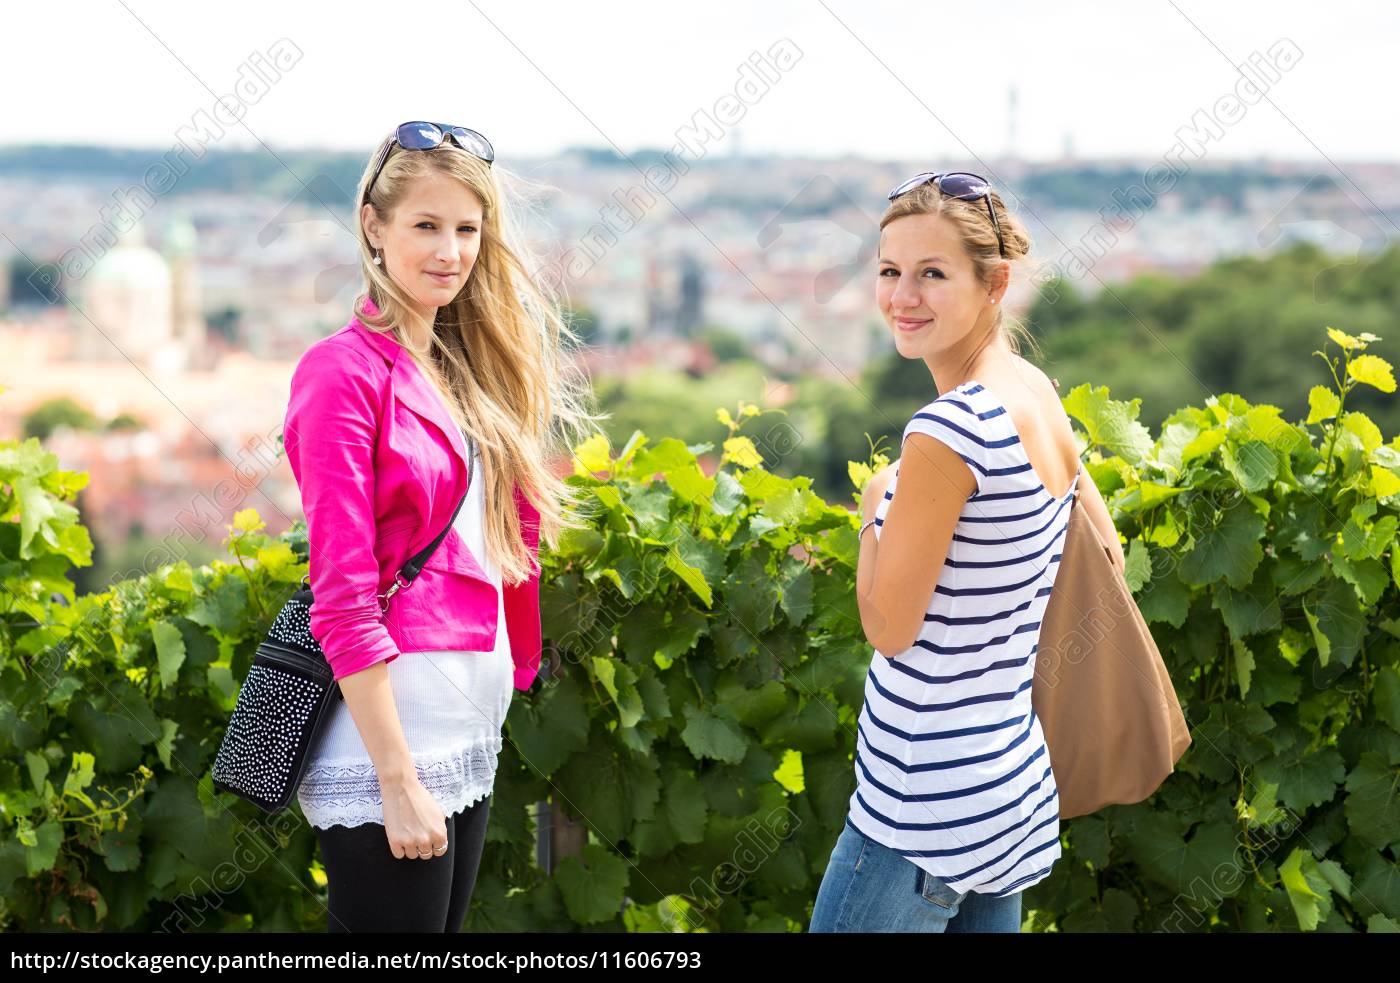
[(870, 888)]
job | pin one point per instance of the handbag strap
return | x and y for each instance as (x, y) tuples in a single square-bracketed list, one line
[(414, 565)]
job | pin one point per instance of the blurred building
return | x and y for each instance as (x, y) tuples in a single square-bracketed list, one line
[(140, 305)]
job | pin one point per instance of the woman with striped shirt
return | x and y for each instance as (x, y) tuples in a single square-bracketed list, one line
[(955, 811)]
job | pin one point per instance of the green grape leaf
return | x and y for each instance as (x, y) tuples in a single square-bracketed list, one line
[(1228, 551), (1377, 887), (751, 594), (683, 803), (1305, 780), (620, 681), (1244, 665), (1273, 680), (796, 596), (709, 735), (43, 853), (729, 494), (1373, 801), (221, 605), (549, 728), (592, 884), (1373, 371), (789, 773), (682, 633), (38, 767), (1110, 423), (690, 576), (121, 849), (1180, 863), (755, 706), (170, 652), (1253, 464), (813, 728), (1249, 611), (80, 776), (1307, 891), (1367, 577), (1323, 404), (1090, 838), (1118, 912), (1385, 697)]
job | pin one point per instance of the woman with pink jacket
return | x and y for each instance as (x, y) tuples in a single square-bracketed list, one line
[(444, 384)]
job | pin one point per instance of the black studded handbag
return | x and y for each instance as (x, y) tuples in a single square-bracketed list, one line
[(287, 697)]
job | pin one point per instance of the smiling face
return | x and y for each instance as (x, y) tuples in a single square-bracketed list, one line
[(436, 229), (928, 291)]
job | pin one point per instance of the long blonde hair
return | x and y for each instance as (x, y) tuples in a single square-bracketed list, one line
[(496, 352), (974, 228)]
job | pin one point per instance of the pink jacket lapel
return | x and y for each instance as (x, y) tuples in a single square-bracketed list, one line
[(410, 385)]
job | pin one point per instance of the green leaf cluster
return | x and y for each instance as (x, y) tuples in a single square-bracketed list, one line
[(705, 666)]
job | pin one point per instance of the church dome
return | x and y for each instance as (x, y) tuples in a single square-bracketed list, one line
[(131, 265), (129, 300)]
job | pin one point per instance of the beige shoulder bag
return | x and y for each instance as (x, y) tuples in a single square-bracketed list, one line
[(1106, 704)]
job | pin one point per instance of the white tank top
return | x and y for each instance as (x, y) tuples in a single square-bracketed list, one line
[(451, 704)]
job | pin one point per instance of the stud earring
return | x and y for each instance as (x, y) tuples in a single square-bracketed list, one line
[(994, 300)]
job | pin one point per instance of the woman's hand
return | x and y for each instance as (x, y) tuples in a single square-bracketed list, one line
[(413, 821)]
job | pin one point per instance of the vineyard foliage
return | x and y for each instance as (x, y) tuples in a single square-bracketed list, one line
[(706, 665)]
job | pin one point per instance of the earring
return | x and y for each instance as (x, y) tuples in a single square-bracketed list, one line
[(377, 260), (994, 300)]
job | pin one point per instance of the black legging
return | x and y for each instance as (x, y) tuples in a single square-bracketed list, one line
[(373, 891)]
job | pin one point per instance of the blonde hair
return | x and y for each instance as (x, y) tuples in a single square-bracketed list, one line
[(973, 226), (496, 353)]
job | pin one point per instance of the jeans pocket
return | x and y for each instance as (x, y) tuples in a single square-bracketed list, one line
[(932, 889), (860, 854)]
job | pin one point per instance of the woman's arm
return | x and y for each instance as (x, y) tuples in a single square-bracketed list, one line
[(330, 434), (414, 823), (370, 700)]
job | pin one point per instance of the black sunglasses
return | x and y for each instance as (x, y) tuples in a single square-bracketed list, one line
[(418, 135), (960, 185)]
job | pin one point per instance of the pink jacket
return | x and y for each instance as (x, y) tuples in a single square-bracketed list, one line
[(381, 467)]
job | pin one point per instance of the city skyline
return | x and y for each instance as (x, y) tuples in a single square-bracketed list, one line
[(851, 84)]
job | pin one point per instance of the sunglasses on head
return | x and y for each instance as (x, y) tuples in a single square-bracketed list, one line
[(960, 185), (418, 135)]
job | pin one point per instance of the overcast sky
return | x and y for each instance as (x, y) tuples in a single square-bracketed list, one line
[(874, 78)]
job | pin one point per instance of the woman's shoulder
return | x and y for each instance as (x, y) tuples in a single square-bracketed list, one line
[(1028, 392), (343, 350), (955, 410), (1045, 399), (338, 369), (1035, 408)]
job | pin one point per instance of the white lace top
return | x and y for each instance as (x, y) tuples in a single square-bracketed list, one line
[(452, 706)]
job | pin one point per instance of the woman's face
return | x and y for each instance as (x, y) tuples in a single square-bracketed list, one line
[(926, 288), (436, 229)]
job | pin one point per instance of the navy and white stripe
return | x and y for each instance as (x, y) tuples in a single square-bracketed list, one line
[(952, 769)]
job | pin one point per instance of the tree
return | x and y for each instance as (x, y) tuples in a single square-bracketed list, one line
[(51, 414), (724, 345)]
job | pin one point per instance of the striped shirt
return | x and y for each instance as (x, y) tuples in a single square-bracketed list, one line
[(951, 764)]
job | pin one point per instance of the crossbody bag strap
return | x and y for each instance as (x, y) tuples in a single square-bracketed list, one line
[(414, 564)]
